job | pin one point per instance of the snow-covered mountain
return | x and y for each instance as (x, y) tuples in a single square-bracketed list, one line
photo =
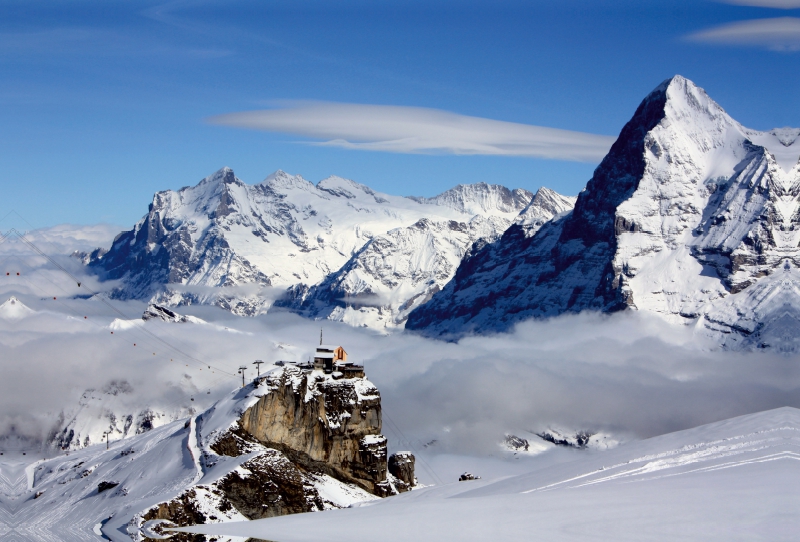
[(396, 272), (226, 242), (690, 215), (14, 309)]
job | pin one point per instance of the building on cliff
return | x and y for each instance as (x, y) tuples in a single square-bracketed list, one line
[(326, 356), (332, 360)]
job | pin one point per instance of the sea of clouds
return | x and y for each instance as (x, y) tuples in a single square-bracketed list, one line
[(630, 375)]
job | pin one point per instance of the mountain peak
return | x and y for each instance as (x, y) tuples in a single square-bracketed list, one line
[(14, 309), (223, 175), (481, 197), (546, 204), (282, 180), (339, 186)]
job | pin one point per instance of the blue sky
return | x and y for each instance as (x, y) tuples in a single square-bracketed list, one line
[(104, 103)]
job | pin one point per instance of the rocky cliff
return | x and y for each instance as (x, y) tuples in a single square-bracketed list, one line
[(326, 424), (305, 438)]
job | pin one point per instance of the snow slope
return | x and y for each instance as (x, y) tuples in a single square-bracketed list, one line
[(730, 480), (687, 213)]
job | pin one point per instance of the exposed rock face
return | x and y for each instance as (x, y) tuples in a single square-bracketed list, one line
[(274, 487), (513, 442), (300, 441), (401, 466), (159, 312), (333, 425), (578, 440), (312, 440), (690, 215)]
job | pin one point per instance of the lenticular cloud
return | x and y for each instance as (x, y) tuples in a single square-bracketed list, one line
[(418, 130)]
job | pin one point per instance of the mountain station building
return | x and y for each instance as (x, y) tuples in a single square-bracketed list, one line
[(332, 360)]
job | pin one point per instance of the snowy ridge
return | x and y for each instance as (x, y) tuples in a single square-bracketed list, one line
[(401, 270), (239, 246), (481, 199), (687, 213), (395, 272), (109, 410)]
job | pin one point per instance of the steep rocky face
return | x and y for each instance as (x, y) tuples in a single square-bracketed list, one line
[(224, 242), (565, 265), (310, 440), (181, 241), (401, 466), (331, 425), (690, 215)]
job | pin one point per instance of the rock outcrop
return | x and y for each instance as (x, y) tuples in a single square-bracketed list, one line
[(325, 424), (401, 466), (159, 312), (310, 440)]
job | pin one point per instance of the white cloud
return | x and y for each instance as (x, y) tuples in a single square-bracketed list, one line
[(779, 34), (629, 374), (417, 130), (778, 4)]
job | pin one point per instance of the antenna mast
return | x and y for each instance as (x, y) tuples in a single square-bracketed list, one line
[(320, 336)]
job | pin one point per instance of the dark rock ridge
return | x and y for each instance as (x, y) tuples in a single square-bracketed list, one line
[(579, 440), (569, 259), (159, 312)]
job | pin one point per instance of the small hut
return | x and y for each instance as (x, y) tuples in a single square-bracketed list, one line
[(327, 356)]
